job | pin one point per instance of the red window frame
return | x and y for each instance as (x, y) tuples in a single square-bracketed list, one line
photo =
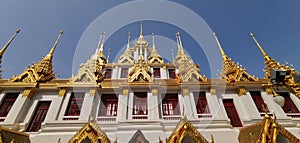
[(259, 101), (108, 73), (289, 106), (232, 113), (124, 73), (38, 116), (172, 73), (108, 105), (201, 102), (75, 104), (156, 72), (7, 102), (140, 104), (170, 105)]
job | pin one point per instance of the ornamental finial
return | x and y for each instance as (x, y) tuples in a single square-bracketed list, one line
[(8, 43), (179, 43), (153, 44), (219, 45), (55, 45), (258, 45), (128, 42), (141, 28), (100, 40)]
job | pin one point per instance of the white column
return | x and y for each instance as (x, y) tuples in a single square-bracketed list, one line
[(185, 103), (193, 106), (220, 112), (187, 106), (296, 100), (122, 107), (54, 108), (130, 105), (86, 107), (163, 72), (114, 74), (153, 111), (249, 107), (63, 108), (17, 111)]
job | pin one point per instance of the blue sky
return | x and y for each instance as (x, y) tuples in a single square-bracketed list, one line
[(275, 24)]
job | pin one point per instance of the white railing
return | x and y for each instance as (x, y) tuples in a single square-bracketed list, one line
[(107, 118), (172, 117), (139, 117), (204, 115), (293, 115), (70, 117), (2, 119)]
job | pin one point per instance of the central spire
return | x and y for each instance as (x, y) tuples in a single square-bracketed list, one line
[(141, 26), (141, 31)]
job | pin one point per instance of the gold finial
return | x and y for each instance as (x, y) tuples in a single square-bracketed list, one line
[(258, 45), (141, 26), (211, 139), (179, 43), (102, 43), (55, 44), (100, 39), (8, 43), (128, 42), (183, 112), (153, 44), (220, 47), (267, 111)]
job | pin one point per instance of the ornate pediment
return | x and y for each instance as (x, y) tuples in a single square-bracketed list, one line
[(186, 131), (90, 132), (266, 131), (138, 137), (40, 72), (140, 72)]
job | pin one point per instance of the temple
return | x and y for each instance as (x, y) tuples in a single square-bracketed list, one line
[(143, 98)]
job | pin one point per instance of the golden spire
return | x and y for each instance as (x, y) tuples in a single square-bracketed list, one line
[(50, 54), (100, 40), (220, 47), (141, 38), (8, 43), (128, 42), (153, 44), (231, 71), (127, 56), (154, 56), (180, 48), (40, 72), (260, 48), (141, 28)]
